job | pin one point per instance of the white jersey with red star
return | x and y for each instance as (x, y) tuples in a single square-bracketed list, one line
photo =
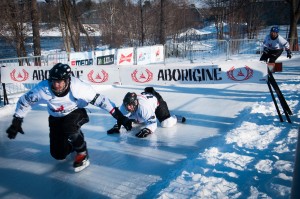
[(79, 96)]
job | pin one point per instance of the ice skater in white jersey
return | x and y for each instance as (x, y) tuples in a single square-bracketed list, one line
[(146, 109), (273, 45), (66, 98)]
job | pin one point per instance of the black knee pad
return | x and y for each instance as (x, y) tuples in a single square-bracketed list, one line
[(77, 141)]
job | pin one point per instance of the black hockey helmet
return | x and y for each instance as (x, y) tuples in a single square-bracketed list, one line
[(60, 72), (130, 99)]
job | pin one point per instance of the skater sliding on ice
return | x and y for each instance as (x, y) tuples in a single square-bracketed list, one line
[(66, 98), (144, 109)]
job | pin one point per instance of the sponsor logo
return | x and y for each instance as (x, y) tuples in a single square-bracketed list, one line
[(105, 60), (20, 77), (142, 76), (157, 53), (241, 74), (141, 57), (97, 78), (190, 75), (83, 62), (125, 58)]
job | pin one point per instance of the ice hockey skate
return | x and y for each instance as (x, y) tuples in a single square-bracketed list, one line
[(81, 161), (114, 130)]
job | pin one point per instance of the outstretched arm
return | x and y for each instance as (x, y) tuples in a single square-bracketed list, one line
[(104, 103), (125, 121)]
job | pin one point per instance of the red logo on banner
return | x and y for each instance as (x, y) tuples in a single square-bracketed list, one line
[(142, 77), (125, 58), (19, 77), (235, 75), (157, 52), (73, 62), (98, 78), (141, 55)]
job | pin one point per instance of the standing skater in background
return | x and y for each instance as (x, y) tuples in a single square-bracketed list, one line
[(144, 109), (274, 44), (66, 98)]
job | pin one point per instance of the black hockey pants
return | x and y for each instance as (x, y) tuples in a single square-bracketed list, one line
[(272, 56), (65, 134), (162, 111)]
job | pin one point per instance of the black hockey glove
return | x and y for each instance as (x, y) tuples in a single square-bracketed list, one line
[(143, 133), (121, 119), (289, 54), (266, 50), (153, 92), (15, 128)]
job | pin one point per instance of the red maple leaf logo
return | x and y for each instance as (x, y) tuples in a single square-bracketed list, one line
[(61, 108)]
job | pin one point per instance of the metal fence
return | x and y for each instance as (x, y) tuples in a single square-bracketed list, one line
[(194, 51), (212, 49)]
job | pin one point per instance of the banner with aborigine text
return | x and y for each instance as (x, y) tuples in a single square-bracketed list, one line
[(226, 72), (35, 74)]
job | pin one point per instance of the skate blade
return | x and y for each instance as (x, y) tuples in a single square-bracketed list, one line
[(85, 165)]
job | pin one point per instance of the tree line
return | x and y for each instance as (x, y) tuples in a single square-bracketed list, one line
[(140, 22)]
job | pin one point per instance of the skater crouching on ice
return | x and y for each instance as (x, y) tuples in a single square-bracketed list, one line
[(144, 109), (273, 46), (66, 98)]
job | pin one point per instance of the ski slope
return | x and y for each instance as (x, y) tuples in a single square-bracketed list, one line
[(232, 146)]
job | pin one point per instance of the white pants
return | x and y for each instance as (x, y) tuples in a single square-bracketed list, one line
[(171, 121)]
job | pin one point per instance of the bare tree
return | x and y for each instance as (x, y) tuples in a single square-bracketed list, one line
[(14, 23), (253, 15), (71, 28), (294, 18), (108, 15), (71, 25), (162, 38), (35, 30), (141, 7), (217, 10)]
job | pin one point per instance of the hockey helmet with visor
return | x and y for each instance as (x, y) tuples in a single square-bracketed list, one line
[(59, 77), (130, 102)]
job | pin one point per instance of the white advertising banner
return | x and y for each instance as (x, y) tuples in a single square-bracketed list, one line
[(227, 72), (158, 74), (81, 58), (105, 57), (125, 56), (157, 54), (143, 55), (35, 74)]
